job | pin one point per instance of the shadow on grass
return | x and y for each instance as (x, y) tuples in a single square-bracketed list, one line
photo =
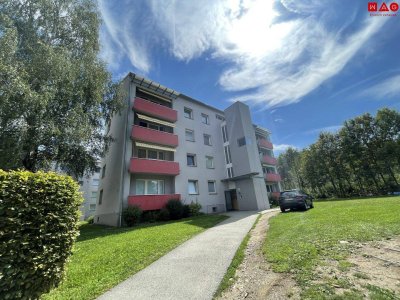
[(92, 231), (356, 198)]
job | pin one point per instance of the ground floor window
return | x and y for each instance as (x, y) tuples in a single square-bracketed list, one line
[(149, 187), (193, 187), (211, 187), (272, 188)]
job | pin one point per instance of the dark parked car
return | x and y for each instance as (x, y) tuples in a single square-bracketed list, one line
[(295, 199)]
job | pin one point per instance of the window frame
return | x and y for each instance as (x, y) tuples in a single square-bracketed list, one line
[(196, 184), (206, 118), (215, 187), (192, 131), (194, 159), (212, 162), (190, 111), (205, 135), (146, 186)]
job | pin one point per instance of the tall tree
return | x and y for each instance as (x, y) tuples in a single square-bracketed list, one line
[(55, 92)]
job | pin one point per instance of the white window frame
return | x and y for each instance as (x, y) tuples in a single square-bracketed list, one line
[(189, 111), (194, 160), (91, 205), (205, 119), (215, 186), (146, 186), (212, 162), (196, 184), (187, 130), (209, 139), (227, 152)]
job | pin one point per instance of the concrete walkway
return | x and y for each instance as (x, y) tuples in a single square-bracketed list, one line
[(194, 269)]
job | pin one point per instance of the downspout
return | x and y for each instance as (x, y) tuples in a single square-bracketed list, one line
[(123, 169)]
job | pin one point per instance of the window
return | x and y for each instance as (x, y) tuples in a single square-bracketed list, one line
[(188, 113), (227, 155), (101, 197), (103, 172), (243, 141), (205, 119), (152, 154), (94, 195), (209, 162), (193, 188), (97, 169), (224, 134), (92, 206), (95, 182), (189, 135), (207, 139), (211, 187), (191, 160), (149, 187), (219, 117), (230, 172), (269, 188)]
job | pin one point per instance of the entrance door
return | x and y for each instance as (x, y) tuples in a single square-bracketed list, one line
[(231, 200)]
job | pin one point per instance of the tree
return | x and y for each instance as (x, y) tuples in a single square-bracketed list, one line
[(55, 92)]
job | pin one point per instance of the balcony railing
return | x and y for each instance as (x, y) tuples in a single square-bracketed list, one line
[(272, 177), (153, 166), (268, 160), (152, 202), (144, 134), (155, 110), (265, 144)]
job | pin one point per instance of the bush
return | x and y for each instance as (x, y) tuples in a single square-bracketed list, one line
[(150, 216), (186, 211), (90, 220), (175, 209), (39, 213), (131, 215), (273, 201), (194, 208), (163, 215)]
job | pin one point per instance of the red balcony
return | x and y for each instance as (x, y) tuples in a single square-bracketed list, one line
[(151, 202), (144, 134), (153, 166), (272, 177), (155, 110), (265, 144), (268, 160)]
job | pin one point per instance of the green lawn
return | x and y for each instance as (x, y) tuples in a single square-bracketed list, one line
[(104, 256), (298, 241)]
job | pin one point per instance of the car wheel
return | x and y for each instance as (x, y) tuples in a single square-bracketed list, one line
[(282, 209), (305, 207)]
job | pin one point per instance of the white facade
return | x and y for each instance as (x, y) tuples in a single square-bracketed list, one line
[(168, 145)]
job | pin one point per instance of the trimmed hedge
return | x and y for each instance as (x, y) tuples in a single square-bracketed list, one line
[(39, 213)]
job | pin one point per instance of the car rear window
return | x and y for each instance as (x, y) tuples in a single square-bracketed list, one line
[(288, 194)]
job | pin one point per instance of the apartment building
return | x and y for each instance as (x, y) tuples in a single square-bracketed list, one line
[(170, 146), (89, 185)]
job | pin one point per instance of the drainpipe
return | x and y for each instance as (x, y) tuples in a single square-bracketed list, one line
[(123, 169)]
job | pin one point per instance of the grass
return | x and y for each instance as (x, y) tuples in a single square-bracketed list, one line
[(297, 242), (104, 256), (229, 277)]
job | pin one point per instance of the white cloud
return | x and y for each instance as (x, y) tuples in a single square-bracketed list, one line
[(388, 88), (332, 129), (279, 120), (283, 147), (273, 61)]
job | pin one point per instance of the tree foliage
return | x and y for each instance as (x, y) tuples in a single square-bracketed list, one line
[(55, 92), (362, 158)]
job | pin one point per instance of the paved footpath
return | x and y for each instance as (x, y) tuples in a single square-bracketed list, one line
[(194, 269)]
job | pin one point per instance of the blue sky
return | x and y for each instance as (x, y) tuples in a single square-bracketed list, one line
[(302, 66)]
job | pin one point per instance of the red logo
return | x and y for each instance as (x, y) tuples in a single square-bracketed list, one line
[(373, 6)]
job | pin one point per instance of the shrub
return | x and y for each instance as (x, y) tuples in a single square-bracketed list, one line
[(194, 208), (150, 216), (175, 209), (186, 211), (39, 213), (90, 220), (131, 215), (273, 201), (163, 215)]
